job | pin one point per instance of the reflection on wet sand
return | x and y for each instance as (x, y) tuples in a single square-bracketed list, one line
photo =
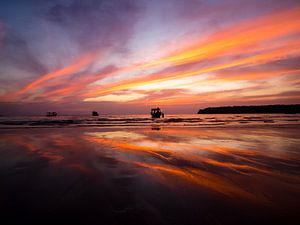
[(142, 171), (206, 161)]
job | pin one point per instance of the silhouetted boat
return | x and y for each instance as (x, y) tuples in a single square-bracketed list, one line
[(94, 113), (157, 113), (51, 114)]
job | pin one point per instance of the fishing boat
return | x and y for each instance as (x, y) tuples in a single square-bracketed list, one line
[(51, 114), (157, 113), (94, 113)]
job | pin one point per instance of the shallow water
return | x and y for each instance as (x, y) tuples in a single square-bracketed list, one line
[(191, 120), (150, 175)]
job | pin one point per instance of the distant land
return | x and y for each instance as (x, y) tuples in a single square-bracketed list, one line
[(288, 109)]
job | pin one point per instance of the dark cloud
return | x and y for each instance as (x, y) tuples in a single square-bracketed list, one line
[(16, 52), (17, 60), (96, 23), (37, 37)]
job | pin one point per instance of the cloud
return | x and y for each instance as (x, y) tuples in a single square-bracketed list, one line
[(66, 38), (154, 51), (248, 44), (96, 23), (116, 98)]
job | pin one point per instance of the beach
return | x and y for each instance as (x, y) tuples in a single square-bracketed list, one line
[(154, 173), (160, 112)]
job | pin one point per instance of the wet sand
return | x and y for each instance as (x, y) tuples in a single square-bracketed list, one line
[(173, 175)]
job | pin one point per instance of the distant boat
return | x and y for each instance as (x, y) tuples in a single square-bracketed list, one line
[(94, 113), (51, 114), (157, 113)]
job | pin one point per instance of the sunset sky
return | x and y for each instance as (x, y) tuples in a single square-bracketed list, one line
[(126, 56)]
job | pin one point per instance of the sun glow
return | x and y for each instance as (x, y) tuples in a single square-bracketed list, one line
[(239, 58)]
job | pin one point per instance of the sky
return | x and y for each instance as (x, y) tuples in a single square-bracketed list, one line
[(126, 56)]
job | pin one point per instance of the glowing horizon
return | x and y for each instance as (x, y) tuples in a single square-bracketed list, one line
[(146, 54)]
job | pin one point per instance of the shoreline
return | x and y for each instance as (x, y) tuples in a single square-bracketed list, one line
[(197, 120), (160, 126)]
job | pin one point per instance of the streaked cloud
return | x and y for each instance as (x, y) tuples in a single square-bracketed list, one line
[(150, 53), (116, 98)]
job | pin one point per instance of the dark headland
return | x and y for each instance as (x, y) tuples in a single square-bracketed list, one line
[(288, 109)]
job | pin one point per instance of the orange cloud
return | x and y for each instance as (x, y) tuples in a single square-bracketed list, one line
[(290, 49), (68, 70), (242, 37), (78, 85), (250, 43), (255, 42)]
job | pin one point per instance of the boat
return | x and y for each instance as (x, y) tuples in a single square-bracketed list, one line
[(94, 113), (51, 114), (157, 113)]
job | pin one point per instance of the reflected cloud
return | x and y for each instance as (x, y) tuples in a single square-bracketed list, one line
[(116, 135), (216, 160), (233, 163)]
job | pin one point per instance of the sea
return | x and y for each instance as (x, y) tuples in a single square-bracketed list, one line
[(190, 120), (216, 169)]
